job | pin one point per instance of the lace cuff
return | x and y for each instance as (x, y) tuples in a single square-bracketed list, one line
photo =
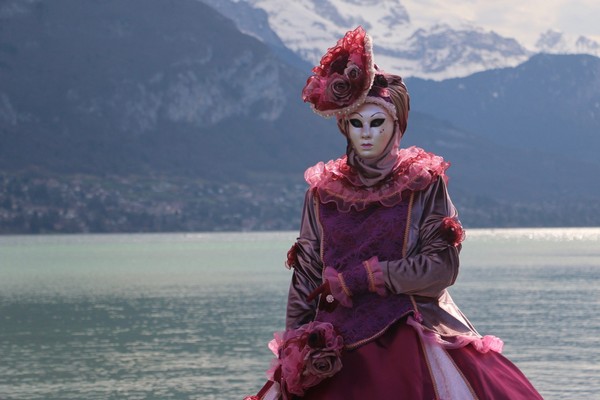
[(336, 286), (375, 276), (355, 280), (363, 277)]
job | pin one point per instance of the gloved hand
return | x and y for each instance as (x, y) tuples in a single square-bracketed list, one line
[(327, 302), (340, 287)]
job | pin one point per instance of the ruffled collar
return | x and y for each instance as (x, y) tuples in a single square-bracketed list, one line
[(337, 182)]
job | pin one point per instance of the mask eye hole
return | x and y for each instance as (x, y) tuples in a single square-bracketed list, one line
[(377, 122), (356, 123)]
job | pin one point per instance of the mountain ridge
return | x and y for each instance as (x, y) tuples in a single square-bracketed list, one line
[(143, 87), (552, 101), (164, 116), (454, 48)]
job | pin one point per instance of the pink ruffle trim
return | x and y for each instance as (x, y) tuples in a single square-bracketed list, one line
[(481, 344), (337, 182)]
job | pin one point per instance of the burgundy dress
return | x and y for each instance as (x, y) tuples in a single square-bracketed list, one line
[(404, 337)]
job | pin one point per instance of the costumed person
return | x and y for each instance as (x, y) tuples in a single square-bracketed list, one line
[(368, 313)]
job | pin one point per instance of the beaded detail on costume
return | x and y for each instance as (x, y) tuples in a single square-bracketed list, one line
[(339, 183)]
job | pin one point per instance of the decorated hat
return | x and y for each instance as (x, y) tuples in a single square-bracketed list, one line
[(347, 77), (344, 76)]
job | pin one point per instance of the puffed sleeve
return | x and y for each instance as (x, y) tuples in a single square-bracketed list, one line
[(307, 267), (431, 263)]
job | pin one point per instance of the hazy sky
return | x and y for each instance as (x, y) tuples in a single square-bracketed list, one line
[(522, 20)]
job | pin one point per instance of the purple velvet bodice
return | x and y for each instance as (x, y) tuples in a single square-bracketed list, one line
[(349, 238)]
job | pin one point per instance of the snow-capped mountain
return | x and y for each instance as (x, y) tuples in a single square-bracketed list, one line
[(171, 91), (555, 42), (442, 51), (439, 51)]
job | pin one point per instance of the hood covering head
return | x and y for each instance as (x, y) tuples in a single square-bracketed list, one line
[(388, 92)]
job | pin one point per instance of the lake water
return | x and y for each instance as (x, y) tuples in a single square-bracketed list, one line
[(188, 316)]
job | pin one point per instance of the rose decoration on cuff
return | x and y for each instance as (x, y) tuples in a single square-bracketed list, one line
[(452, 231), (343, 77), (292, 256), (305, 356)]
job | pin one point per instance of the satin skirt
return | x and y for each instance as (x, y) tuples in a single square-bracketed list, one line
[(400, 365)]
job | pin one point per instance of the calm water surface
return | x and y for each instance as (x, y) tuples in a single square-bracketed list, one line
[(188, 316)]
